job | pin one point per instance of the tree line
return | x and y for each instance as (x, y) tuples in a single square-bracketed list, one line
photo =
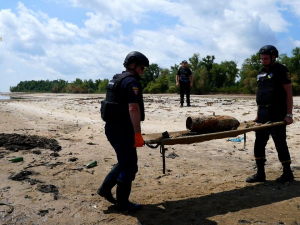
[(209, 77)]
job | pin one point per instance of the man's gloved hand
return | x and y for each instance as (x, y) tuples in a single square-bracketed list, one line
[(139, 141)]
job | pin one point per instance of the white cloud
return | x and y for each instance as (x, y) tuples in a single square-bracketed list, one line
[(118, 9), (10, 71), (36, 46), (294, 6), (40, 47), (99, 25), (232, 28)]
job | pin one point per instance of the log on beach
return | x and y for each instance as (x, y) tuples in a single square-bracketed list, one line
[(211, 124)]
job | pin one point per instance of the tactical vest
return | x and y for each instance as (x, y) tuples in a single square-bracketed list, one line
[(266, 94), (113, 109)]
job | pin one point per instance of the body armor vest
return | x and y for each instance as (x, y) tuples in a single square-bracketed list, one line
[(113, 109), (266, 93)]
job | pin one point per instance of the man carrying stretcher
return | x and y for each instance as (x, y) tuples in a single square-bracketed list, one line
[(275, 103)]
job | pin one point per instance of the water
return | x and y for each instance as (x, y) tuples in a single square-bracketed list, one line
[(3, 97)]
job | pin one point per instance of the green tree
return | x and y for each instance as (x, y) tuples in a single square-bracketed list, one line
[(248, 74), (200, 78), (150, 74), (231, 71), (195, 62), (102, 85), (208, 62), (219, 76)]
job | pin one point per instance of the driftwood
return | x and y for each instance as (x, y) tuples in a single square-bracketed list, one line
[(211, 124)]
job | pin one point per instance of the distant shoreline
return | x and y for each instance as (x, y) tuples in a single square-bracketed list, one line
[(35, 94)]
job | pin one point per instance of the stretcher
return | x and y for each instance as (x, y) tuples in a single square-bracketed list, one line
[(188, 137)]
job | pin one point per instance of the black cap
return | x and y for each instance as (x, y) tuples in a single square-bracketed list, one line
[(184, 61)]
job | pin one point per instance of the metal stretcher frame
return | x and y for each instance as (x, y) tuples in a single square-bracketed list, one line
[(204, 137)]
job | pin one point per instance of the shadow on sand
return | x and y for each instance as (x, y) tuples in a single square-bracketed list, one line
[(198, 210)]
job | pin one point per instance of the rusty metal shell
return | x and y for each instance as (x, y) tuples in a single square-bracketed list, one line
[(211, 124)]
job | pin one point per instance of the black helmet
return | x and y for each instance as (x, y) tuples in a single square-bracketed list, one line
[(136, 57), (269, 50)]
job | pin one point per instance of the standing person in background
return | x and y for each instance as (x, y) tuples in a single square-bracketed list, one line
[(123, 111), (184, 79), (275, 103)]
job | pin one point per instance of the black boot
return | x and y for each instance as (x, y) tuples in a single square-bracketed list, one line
[(123, 203), (287, 175), (260, 176), (109, 182)]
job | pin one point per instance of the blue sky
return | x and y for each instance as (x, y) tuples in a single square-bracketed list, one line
[(89, 39)]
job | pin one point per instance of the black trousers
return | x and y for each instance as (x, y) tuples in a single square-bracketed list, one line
[(278, 135), (121, 137), (185, 88)]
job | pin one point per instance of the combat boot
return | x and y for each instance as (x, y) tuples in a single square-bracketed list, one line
[(109, 182), (260, 176), (287, 175), (123, 203)]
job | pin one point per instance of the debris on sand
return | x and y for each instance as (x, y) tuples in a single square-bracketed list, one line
[(11, 208), (172, 155), (16, 142), (49, 189), (54, 154), (73, 159), (23, 176), (43, 212)]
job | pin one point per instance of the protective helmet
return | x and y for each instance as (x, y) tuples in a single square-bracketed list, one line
[(136, 57), (269, 50)]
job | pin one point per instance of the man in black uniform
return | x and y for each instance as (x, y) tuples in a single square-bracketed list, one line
[(184, 79), (123, 111), (275, 103)]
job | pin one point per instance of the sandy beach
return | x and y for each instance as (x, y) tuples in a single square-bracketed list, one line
[(204, 182)]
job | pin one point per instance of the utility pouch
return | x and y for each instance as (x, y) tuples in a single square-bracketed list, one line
[(110, 111)]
